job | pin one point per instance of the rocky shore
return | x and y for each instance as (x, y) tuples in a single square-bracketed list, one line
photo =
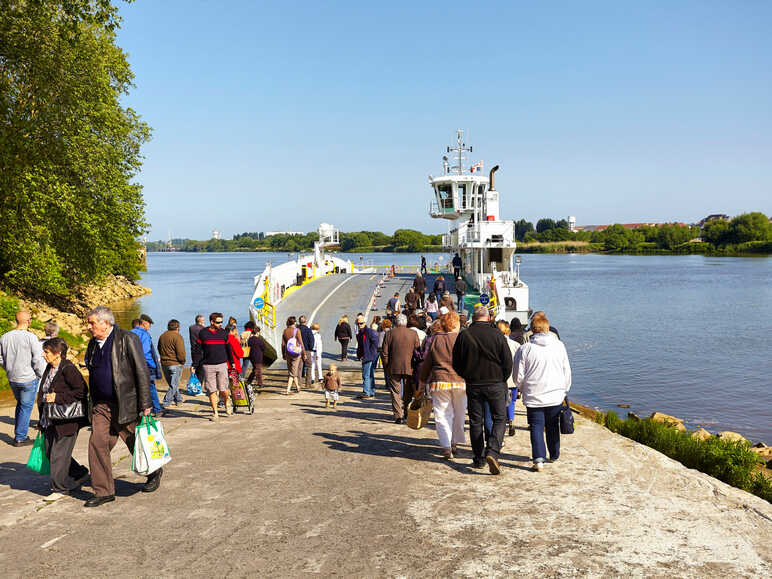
[(69, 312)]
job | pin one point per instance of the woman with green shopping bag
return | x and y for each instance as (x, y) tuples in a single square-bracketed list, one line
[(63, 410)]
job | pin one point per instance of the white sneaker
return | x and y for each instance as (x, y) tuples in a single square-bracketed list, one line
[(53, 497), (537, 467)]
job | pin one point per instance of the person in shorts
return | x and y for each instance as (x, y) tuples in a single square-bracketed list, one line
[(331, 386), (216, 354)]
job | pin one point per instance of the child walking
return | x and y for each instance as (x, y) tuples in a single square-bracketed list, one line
[(331, 386)]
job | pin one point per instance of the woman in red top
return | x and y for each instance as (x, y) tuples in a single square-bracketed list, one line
[(234, 369)]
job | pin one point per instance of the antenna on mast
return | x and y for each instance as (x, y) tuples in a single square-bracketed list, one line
[(459, 149)]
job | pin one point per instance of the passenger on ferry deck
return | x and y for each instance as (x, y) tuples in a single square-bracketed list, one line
[(543, 374), (398, 348), (460, 292), (308, 346), (457, 266), (316, 355), (423, 265), (343, 335), (448, 389), (294, 363), (412, 301), (419, 285), (432, 306), (368, 339), (394, 304), (482, 357), (195, 347), (439, 285)]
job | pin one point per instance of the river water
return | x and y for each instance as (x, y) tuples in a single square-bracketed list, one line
[(684, 335)]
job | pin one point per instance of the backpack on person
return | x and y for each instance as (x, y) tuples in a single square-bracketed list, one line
[(294, 348)]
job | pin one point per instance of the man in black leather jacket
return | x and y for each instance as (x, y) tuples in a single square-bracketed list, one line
[(119, 384)]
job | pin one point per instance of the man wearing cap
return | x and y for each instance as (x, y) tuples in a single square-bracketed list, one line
[(151, 358)]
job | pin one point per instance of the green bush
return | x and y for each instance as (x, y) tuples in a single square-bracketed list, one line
[(8, 307), (732, 462)]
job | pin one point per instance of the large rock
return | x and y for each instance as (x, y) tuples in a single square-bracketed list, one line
[(733, 436), (764, 452), (672, 421), (701, 434)]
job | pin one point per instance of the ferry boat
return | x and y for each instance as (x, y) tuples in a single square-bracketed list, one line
[(485, 243)]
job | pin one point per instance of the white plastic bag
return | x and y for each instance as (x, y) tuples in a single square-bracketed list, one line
[(150, 449)]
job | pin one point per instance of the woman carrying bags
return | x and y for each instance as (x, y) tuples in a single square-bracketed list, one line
[(63, 388)]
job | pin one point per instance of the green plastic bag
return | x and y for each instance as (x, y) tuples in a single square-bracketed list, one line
[(38, 461)]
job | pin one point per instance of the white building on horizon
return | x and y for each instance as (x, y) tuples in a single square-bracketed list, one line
[(215, 234)]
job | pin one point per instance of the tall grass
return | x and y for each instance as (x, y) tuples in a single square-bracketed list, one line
[(732, 462)]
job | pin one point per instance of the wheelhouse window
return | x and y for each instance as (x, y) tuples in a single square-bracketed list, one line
[(445, 195), (462, 195)]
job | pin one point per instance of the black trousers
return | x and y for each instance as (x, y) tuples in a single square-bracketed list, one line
[(496, 395), (64, 468), (343, 348)]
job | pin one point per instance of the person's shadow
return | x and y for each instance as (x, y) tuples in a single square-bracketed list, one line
[(17, 476)]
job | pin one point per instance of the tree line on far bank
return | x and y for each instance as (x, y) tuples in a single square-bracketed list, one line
[(746, 233), (401, 240)]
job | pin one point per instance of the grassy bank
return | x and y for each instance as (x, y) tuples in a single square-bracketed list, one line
[(732, 462)]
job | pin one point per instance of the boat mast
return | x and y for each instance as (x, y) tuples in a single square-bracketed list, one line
[(459, 149)]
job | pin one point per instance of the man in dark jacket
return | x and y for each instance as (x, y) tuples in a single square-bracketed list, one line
[(308, 346), (482, 357), (460, 292), (419, 285), (398, 347), (367, 340), (195, 348), (120, 392)]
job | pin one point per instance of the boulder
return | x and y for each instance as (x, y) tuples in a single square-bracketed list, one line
[(660, 417), (623, 405), (668, 420), (765, 452), (701, 434), (760, 445), (733, 436)]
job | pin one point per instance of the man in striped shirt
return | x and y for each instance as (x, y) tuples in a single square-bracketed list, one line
[(215, 354)]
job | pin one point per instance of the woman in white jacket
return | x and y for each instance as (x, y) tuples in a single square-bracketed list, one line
[(543, 374), (316, 355)]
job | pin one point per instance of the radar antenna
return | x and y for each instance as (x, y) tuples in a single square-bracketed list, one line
[(459, 149)]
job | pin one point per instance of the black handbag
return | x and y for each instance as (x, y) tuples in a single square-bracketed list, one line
[(566, 419), (59, 412)]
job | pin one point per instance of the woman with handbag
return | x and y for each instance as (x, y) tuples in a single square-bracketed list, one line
[(448, 389), (543, 374), (63, 410)]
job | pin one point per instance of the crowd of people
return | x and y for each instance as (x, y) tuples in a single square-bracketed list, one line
[(425, 346)]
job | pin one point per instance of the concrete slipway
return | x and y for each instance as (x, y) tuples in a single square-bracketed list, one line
[(297, 489)]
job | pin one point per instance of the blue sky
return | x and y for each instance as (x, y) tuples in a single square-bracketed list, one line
[(281, 115)]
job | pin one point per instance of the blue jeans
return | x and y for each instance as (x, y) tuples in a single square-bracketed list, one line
[(511, 406), (543, 421), (172, 376), (25, 394), (368, 377), (154, 397), (460, 304)]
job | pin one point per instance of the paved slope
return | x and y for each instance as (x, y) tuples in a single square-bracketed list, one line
[(298, 489)]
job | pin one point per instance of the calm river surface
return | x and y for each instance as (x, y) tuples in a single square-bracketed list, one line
[(684, 335)]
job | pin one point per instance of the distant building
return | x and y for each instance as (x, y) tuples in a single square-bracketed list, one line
[(215, 234), (269, 233), (571, 223), (625, 225), (713, 217)]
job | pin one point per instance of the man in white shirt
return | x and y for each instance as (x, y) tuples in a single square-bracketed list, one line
[(21, 356)]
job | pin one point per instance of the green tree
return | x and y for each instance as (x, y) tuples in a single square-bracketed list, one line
[(749, 227), (670, 236), (544, 224), (716, 232), (69, 150), (522, 227), (618, 238)]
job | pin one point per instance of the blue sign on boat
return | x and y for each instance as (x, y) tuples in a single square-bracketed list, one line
[(258, 303), (484, 299)]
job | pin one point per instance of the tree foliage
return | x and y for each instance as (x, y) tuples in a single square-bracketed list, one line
[(69, 150)]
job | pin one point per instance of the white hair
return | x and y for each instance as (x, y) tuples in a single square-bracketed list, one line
[(103, 314), (401, 320)]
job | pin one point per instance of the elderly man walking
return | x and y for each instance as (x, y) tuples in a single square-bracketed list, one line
[(482, 357), (119, 384), (398, 347), (151, 358), (171, 348), (21, 356)]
